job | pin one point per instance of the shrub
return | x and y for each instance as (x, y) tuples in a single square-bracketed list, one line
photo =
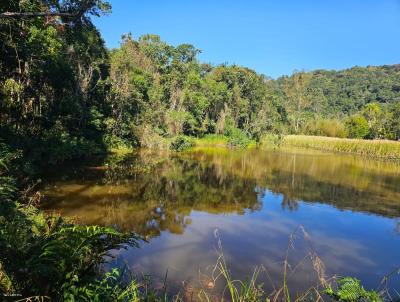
[(150, 137), (181, 143), (176, 120), (237, 138), (357, 127)]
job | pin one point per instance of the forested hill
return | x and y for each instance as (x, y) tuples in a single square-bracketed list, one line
[(63, 94), (348, 91), (356, 97)]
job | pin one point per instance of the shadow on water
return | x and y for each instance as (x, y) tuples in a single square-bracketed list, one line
[(256, 198)]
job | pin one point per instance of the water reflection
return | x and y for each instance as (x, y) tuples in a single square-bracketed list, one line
[(255, 198), (149, 195), (149, 192)]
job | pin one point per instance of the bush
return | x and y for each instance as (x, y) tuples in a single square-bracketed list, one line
[(237, 138), (181, 143), (357, 127)]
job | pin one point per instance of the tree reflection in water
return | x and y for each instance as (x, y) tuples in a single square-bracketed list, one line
[(151, 192)]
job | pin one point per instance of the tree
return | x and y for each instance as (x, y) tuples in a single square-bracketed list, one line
[(52, 74), (393, 121), (373, 114), (298, 102), (357, 126)]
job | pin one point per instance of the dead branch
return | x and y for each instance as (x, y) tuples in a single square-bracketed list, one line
[(36, 14)]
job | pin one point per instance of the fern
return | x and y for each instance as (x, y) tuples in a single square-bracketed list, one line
[(350, 290), (39, 253)]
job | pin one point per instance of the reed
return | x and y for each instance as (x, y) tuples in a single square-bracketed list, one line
[(373, 148), (253, 289)]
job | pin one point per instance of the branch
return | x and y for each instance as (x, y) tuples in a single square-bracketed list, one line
[(37, 14)]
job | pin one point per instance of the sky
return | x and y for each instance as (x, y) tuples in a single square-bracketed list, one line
[(272, 37)]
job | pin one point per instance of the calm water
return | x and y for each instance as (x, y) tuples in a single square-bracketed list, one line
[(350, 207)]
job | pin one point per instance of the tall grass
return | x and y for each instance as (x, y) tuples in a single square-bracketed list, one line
[(373, 148), (212, 140), (219, 140), (253, 290)]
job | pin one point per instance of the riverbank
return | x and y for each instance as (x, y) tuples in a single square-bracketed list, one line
[(218, 140), (383, 149)]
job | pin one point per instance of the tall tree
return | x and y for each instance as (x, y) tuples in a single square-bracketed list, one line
[(297, 98)]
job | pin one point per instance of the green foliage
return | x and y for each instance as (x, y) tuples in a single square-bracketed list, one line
[(237, 138), (65, 96), (42, 254), (108, 288), (392, 122), (216, 140), (174, 94), (39, 253), (53, 72), (182, 143), (373, 114), (7, 183), (357, 127), (351, 290), (346, 92), (236, 290), (182, 96)]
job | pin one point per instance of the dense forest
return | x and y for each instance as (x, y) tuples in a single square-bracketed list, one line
[(64, 95), (62, 89)]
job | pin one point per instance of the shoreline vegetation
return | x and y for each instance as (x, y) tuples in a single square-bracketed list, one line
[(382, 149), (379, 149)]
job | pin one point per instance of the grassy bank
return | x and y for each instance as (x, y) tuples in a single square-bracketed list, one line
[(384, 149), (217, 140), (212, 140), (373, 148)]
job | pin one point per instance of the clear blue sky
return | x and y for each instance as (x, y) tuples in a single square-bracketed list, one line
[(272, 37)]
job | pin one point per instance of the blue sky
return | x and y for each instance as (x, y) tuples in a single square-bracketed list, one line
[(272, 37)]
